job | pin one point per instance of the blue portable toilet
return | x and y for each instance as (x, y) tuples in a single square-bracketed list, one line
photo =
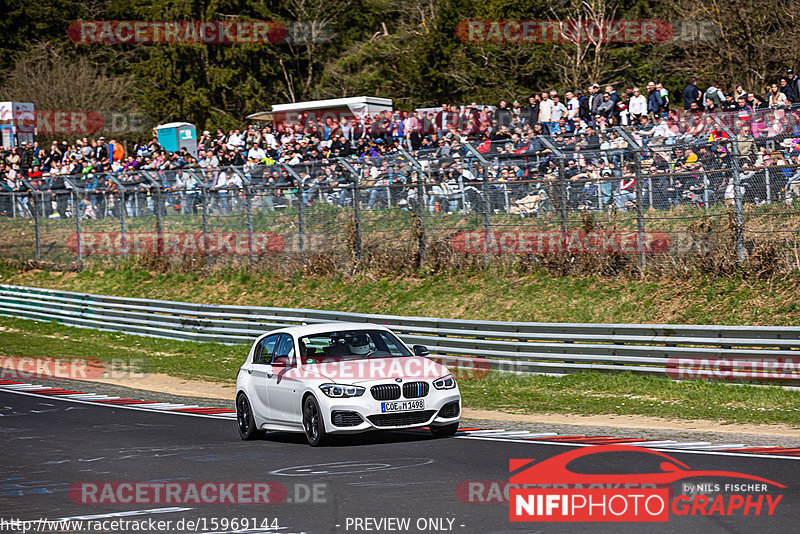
[(177, 135)]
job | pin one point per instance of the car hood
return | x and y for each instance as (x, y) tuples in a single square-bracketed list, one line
[(365, 370)]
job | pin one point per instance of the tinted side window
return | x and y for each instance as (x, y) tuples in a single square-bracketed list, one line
[(264, 352), (286, 347)]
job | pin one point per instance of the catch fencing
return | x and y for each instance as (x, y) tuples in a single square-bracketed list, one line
[(717, 190), (469, 348)]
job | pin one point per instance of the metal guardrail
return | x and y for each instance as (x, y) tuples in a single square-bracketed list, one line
[(680, 351)]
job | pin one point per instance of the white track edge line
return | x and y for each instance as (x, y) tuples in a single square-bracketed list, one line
[(674, 451), (123, 406)]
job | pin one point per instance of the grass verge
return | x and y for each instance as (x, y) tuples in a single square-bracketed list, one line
[(490, 294), (584, 393)]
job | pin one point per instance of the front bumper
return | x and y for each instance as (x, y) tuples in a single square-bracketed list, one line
[(361, 414)]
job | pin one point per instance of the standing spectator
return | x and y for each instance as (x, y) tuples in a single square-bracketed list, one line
[(614, 98), (595, 99), (573, 106), (777, 97), (637, 106), (729, 104), (502, 114), (787, 89), (584, 110), (559, 110), (794, 83), (531, 111), (100, 152), (664, 97), (546, 111), (691, 94), (716, 97), (654, 101)]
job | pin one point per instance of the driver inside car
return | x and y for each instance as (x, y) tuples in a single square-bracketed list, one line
[(358, 344)]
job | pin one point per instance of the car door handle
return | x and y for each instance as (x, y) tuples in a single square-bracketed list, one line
[(250, 370), (269, 374)]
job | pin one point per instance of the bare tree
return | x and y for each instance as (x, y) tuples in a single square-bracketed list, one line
[(584, 57), (311, 28), (748, 41), (56, 79)]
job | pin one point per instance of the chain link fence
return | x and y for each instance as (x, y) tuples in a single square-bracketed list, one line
[(708, 192)]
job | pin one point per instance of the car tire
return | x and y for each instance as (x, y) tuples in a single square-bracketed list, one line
[(444, 431), (244, 420), (313, 422)]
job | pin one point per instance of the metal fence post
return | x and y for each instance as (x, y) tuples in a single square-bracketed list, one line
[(356, 208), (301, 223), (562, 183), (421, 239), (76, 211), (738, 215), (248, 206), (123, 213), (36, 214), (38, 252), (487, 207), (157, 207), (204, 205), (562, 192), (637, 168)]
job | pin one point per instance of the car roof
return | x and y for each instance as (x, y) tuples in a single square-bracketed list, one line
[(319, 328)]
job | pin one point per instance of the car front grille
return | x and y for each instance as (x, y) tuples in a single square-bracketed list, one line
[(450, 409), (345, 418), (401, 418), (415, 390), (385, 392)]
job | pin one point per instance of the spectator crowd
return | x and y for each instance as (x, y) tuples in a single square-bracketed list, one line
[(690, 144)]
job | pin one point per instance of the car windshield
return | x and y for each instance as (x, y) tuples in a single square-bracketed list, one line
[(351, 344)]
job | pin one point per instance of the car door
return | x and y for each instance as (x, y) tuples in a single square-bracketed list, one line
[(259, 371), (283, 384)]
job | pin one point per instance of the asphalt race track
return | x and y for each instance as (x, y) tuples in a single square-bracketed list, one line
[(354, 485)]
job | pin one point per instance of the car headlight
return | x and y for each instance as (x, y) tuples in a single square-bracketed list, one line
[(446, 382), (339, 391)]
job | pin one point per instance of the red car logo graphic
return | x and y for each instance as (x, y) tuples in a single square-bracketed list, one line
[(556, 470)]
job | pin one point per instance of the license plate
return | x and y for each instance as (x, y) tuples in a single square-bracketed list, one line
[(402, 406)]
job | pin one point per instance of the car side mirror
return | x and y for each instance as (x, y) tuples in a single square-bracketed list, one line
[(421, 350), (281, 362)]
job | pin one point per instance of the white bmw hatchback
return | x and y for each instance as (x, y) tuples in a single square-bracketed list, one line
[(342, 378)]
